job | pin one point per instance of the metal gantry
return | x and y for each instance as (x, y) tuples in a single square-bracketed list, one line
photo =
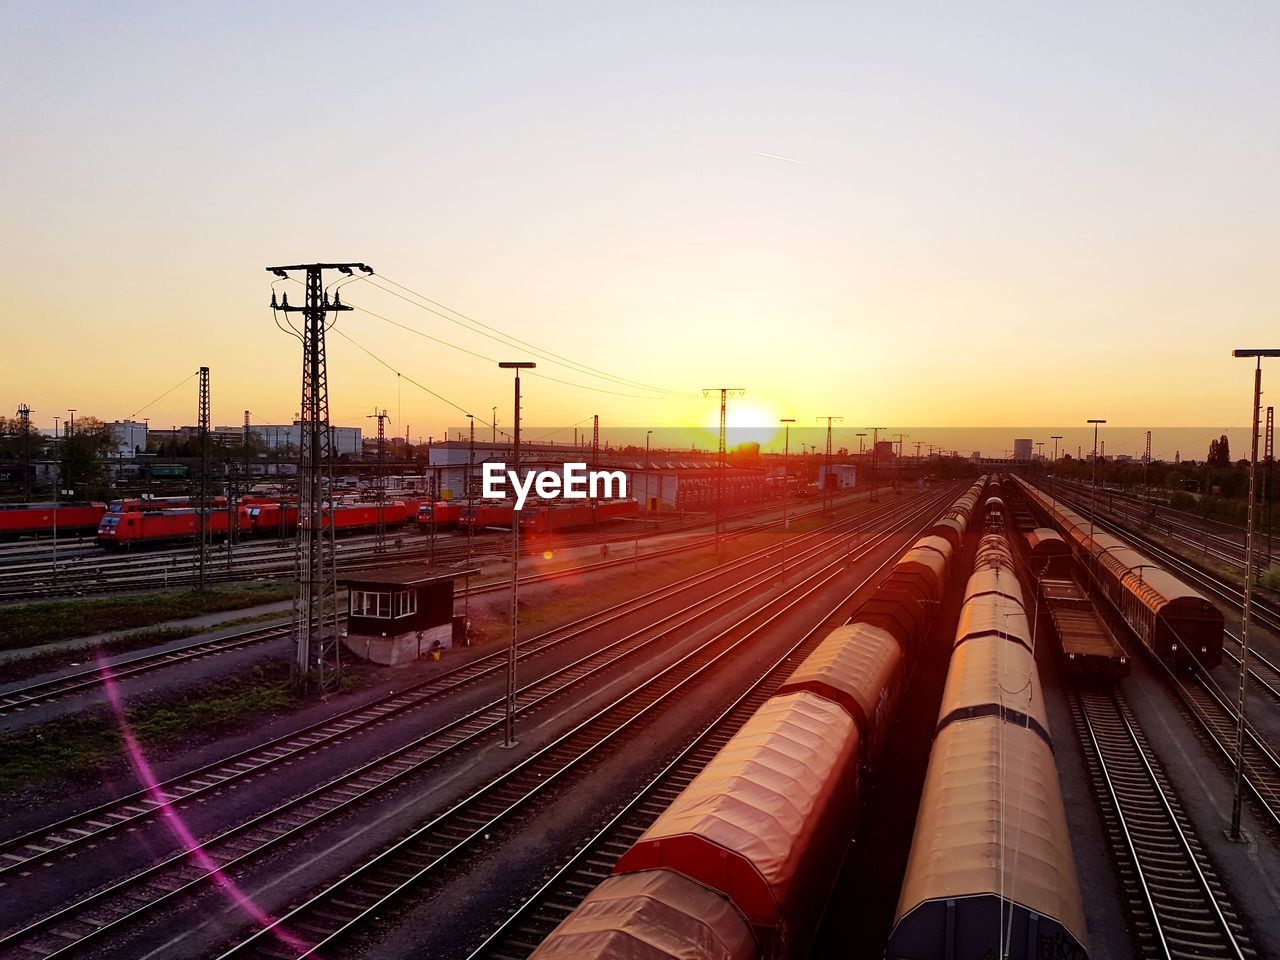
[(380, 483), (24, 424), (509, 726), (826, 475), (318, 661), (202, 506), (725, 394)]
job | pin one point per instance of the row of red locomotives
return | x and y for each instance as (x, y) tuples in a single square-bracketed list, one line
[(72, 517), (742, 862), (543, 518), (125, 529)]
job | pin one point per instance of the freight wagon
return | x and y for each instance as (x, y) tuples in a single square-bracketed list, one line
[(740, 866), (1175, 622)]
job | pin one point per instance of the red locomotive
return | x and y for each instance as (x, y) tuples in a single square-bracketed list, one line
[(553, 517), (26, 519), (487, 513), (124, 530), (443, 513)]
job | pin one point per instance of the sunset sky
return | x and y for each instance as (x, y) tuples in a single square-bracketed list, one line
[(1004, 213)]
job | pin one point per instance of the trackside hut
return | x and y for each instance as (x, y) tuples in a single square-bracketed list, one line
[(397, 614)]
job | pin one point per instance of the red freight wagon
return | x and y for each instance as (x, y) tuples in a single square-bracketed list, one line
[(767, 821), (27, 518)]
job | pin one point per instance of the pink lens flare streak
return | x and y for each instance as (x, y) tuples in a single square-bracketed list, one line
[(177, 826)]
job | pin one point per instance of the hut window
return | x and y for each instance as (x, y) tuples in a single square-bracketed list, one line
[(406, 603), (371, 603)]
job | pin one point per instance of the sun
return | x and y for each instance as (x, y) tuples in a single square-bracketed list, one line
[(745, 422)]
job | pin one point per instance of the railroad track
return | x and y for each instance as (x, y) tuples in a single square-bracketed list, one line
[(519, 935), (1178, 906), (1176, 527), (95, 572), (26, 850), (1265, 673), (22, 852), (338, 909), (1217, 717), (44, 691), (1209, 706), (108, 910)]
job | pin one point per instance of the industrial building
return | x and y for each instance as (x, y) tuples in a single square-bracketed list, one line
[(128, 438)]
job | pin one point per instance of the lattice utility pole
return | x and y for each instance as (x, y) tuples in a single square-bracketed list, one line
[(897, 464), (595, 461), (318, 661), (202, 505), (24, 424), (1269, 452), (380, 483), (875, 467), (247, 448), (725, 394), (1146, 468), (826, 475)]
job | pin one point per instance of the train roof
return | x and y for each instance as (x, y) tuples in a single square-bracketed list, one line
[(852, 667), (1046, 540), (993, 614), (757, 813), (995, 581), (1157, 588), (991, 827), (990, 672), (650, 915)]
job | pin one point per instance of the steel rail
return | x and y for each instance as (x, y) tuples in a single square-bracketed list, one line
[(67, 929), (1173, 882), (22, 851), (44, 691), (521, 932), (331, 913)]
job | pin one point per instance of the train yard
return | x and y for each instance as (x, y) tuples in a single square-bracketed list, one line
[(1066, 657)]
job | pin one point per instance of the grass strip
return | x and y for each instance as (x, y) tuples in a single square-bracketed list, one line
[(36, 624), (83, 747)]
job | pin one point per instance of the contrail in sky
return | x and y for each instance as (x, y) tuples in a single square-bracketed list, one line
[(774, 156)]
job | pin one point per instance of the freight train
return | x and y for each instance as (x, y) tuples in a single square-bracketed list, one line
[(991, 872), (741, 864), (1179, 625)]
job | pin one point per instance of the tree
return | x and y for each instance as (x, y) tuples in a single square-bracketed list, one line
[(83, 454), (1219, 452)]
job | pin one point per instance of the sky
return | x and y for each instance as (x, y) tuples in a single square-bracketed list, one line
[(1003, 214)]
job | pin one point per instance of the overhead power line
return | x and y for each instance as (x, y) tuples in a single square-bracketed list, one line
[(404, 376), (187, 379), (507, 339)]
